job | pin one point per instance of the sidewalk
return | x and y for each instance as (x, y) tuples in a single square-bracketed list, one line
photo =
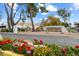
[(45, 33), (72, 35)]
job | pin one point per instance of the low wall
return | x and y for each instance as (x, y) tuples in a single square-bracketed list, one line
[(55, 29)]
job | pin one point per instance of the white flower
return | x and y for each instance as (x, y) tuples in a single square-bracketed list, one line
[(29, 51)]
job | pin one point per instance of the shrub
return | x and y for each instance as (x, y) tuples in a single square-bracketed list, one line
[(42, 51), (70, 51), (38, 29), (76, 51), (56, 50), (6, 47), (6, 30), (15, 49)]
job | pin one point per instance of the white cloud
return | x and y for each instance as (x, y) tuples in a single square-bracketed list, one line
[(14, 11), (45, 13), (34, 18), (46, 4), (71, 9), (10, 4), (76, 6), (15, 6), (72, 14), (40, 4), (3, 21), (40, 19), (51, 8), (57, 16), (45, 18)]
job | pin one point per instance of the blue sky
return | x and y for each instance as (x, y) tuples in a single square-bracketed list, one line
[(51, 7)]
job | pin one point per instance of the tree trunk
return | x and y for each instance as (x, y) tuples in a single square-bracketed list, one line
[(11, 23), (8, 23), (33, 28), (65, 19), (11, 17)]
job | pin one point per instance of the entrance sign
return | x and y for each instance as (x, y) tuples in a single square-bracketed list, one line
[(55, 29)]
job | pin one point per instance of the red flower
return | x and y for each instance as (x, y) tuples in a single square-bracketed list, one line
[(25, 42), (35, 39), (77, 46), (20, 40), (64, 50), (8, 40), (20, 49), (16, 45), (1, 43), (28, 48), (41, 41), (23, 45)]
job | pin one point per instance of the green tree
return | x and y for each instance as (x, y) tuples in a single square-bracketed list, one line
[(52, 21), (32, 11), (10, 15), (65, 14)]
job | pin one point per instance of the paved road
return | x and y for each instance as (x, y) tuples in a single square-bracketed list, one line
[(60, 40)]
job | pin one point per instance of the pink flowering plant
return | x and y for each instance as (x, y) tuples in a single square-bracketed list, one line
[(37, 42), (22, 46)]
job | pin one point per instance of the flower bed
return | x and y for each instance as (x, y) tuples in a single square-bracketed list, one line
[(37, 48)]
